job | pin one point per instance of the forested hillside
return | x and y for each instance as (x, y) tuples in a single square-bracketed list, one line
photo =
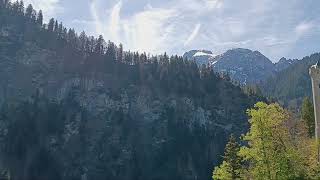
[(291, 85), (76, 107)]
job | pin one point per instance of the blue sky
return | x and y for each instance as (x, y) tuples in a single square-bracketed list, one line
[(277, 28)]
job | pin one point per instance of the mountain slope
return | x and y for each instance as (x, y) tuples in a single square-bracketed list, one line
[(244, 65), (291, 85), (76, 107)]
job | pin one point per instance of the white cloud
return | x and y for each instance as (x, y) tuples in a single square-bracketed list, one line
[(95, 16), (303, 28), (80, 21), (177, 26), (146, 30), (152, 29), (49, 7), (213, 4), (115, 21), (193, 35)]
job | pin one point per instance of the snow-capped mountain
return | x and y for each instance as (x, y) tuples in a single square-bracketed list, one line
[(242, 65), (200, 56)]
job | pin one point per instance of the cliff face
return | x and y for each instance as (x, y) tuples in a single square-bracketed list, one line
[(130, 132), (91, 111)]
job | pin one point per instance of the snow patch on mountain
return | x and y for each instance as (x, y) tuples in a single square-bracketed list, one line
[(200, 53)]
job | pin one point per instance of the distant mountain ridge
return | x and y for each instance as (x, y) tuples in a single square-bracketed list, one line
[(284, 63), (243, 65), (292, 84)]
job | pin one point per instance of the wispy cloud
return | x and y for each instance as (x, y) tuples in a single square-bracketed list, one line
[(148, 30), (212, 4), (96, 18), (114, 26), (193, 35), (145, 30), (177, 26), (303, 28)]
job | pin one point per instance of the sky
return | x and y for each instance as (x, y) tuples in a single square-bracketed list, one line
[(276, 28)]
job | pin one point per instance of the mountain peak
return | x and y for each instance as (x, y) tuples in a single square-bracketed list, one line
[(243, 65), (200, 56), (284, 63)]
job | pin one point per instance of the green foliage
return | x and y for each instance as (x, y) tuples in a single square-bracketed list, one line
[(277, 148), (231, 166), (223, 172), (269, 150), (307, 115)]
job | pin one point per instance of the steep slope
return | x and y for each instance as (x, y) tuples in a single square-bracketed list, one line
[(74, 107), (244, 65), (291, 85)]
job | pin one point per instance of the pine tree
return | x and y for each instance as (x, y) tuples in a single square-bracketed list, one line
[(56, 27), (82, 41), (40, 18), (231, 166), (231, 156), (120, 53), (51, 25), (21, 7), (72, 37), (60, 29), (15, 7), (111, 51), (307, 115), (99, 48), (29, 11)]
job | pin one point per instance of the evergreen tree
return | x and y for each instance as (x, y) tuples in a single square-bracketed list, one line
[(120, 53), (82, 40), (15, 7), (307, 115), (21, 7), (111, 51), (40, 18), (29, 11), (56, 27), (72, 38), (60, 29), (231, 166), (99, 48), (51, 25)]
